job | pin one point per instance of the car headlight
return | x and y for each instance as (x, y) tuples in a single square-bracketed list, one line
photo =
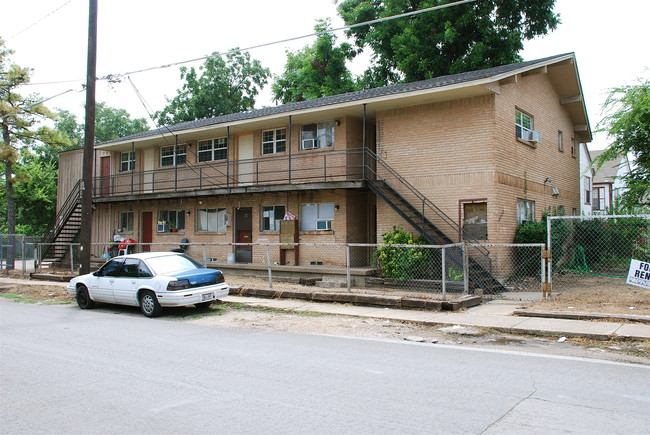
[(179, 284)]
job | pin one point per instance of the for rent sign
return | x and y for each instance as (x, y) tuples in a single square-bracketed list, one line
[(639, 273)]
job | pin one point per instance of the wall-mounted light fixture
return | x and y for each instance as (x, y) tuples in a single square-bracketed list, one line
[(337, 123), (189, 212), (548, 180), (336, 206)]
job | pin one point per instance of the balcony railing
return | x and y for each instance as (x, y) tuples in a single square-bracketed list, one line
[(304, 167)]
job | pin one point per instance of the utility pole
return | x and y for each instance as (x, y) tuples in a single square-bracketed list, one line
[(89, 144)]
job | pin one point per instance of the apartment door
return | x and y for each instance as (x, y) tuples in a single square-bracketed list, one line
[(147, 230), (148, 167), (244, 234), (244, 157), (105, 175)]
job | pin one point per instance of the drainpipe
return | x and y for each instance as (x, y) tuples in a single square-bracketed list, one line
[(132, 165), (228, 156), (363, 144), (175, 164), (289, 141)]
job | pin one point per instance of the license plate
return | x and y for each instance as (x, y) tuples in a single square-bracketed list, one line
[(207, 296)]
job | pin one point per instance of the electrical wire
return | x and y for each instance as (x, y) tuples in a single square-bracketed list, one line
[(36, 22), (22, 109), (239, 50)]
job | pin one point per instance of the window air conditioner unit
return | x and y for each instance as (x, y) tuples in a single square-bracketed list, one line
[(534, 136), (309, 144), (323, 225)]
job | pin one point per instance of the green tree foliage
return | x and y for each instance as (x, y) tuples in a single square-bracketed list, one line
[(110, 123), (627, 122), (221, 86), (22, 131), (36, 195), (317, 70), (461, 38)]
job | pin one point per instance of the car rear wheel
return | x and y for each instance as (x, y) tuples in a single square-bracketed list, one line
[(149, 304), (203, 305), (83, 298)]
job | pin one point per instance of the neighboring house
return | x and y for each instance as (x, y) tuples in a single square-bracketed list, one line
[(587, 173), (465, 156), (607, 183)]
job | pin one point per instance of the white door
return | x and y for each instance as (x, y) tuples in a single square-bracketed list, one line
[(147, 179), (244, 157)]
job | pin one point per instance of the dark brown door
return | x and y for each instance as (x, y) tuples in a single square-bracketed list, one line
[(244, 234), (105, 176), (147, 230)]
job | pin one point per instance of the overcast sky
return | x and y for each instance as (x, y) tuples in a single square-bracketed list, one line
[(50, 36)]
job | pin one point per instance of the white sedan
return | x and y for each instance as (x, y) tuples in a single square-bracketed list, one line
[(150, 280)]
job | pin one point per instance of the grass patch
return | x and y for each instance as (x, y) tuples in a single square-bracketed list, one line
[(18, 298)]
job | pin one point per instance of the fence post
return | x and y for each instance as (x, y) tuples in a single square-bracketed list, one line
[(465, 268), (444, 283), (347, 266), (268, 263), (549, 260), (72, 260), (23, 246)]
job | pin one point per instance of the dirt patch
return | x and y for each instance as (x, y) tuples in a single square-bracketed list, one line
[(599, 295)]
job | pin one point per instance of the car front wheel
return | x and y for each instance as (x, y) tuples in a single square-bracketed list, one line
[(83, 298), (149, 304)]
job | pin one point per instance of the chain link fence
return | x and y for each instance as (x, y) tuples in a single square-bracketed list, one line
[(589, 251), (423, 271), (17, 252)]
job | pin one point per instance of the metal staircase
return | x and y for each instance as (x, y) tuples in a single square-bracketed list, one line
[(65, 229), (434, 225)]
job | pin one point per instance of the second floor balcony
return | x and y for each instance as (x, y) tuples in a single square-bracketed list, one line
[(345, 168)]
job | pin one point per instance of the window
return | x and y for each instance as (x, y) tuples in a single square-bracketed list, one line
[(475, 221), (523, 124), (171, 221), (599, 198), (314, 217), (560, 141), (574, 148), (317, 135), (125, 222), (213, 149), (128, 161), (167, 157), (211, 220), (274, 141), (587, 190), (271, 217), (525, 211)]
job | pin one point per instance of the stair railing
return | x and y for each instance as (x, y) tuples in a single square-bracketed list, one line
[(61, 218)]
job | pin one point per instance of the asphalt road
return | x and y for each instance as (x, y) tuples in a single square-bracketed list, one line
[(64, 370)]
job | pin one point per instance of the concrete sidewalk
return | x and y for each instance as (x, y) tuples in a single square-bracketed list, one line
[(497, 314), (493, 314)]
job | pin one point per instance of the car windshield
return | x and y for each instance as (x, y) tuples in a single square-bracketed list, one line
[(171, 264)]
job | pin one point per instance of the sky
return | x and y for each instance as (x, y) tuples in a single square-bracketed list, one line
[(51, 37)]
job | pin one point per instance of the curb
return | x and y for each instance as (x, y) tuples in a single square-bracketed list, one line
[(360, 299), (581, 315)]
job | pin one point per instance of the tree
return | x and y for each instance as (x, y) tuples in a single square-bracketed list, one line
[(627, 123), (460, 38), (317, 70), (110, 123), (223, 87), (20, 119)]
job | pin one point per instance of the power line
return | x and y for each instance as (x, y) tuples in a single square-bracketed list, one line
[(238, 50), (22, 109), (36, 22)]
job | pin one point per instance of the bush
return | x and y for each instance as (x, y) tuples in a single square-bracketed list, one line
[(401, 262)]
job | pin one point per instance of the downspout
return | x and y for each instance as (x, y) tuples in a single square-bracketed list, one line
[(228, 156), (290, 130), (132, 165), (175, 164), (363, 144)]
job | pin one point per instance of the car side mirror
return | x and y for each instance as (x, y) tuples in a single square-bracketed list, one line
[(95, 273)]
